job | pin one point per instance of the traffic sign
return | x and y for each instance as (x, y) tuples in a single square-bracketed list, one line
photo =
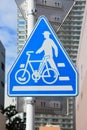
[(43, 67)]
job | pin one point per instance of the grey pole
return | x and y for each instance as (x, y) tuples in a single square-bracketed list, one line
[(30, 100)]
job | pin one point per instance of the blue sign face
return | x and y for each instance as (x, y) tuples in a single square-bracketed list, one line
[(43, 67)]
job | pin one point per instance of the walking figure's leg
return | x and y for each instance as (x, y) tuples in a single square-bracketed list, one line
[(52, 64)]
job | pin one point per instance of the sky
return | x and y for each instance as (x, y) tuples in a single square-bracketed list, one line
[(8, 30)]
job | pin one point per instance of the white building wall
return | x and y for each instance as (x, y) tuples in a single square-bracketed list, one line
[(81, 100)]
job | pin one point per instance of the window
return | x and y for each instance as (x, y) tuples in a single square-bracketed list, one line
[(2, 66), (21, 32), (57, 105), (3, 54), (13, 100), (22, 27), (43, 104), (2, 83), (44, 1), (58, 4), (21, 22), (21, 37), (36, 128)]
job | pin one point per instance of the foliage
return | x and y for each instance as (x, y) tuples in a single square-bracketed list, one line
[(14, 122), (10, 111)]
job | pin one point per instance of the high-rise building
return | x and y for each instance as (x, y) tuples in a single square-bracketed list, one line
[(2, 73), (54, 10), (68, 33)]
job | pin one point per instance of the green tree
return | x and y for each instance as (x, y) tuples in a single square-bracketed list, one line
[(14, 122), (10, 111)]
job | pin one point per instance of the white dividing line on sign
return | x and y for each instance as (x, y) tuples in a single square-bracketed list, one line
[(64, 78), (61, 65), (44, 88)]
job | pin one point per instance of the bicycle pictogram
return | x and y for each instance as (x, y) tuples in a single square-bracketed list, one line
[(48, 74)]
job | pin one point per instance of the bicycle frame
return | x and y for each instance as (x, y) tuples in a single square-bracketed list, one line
[(45, 72), (42, 62)]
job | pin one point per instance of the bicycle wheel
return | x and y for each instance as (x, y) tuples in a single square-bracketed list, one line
[(22, 76), (49, 76)]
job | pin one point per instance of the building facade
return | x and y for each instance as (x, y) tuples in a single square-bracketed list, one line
[(2, 122), (81, 100), (55, 11), (63, 118), (2, 73), (69, 34), (69, 31)]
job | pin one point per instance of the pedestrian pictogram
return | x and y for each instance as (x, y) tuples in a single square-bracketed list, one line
[(43, 68)]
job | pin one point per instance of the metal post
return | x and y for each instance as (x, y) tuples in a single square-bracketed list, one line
[(31, 15), (29, 113), (30, 100)]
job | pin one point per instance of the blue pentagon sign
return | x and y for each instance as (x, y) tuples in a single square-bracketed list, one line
[(43, 67)]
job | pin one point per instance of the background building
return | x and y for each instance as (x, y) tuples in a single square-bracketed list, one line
[(2, 73), (69, 35), (81, 100), (69, 32), (55, 11), (2, 122), (64, 118)]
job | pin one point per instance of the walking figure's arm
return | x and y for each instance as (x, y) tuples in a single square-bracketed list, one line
[(39, 50), (55, 49)]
